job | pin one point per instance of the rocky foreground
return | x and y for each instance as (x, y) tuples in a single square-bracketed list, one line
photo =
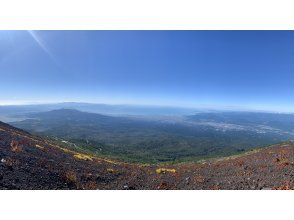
[(31, 162)]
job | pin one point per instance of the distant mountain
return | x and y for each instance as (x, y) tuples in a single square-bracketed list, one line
[(18, 112), (149, 140), (31, 162)]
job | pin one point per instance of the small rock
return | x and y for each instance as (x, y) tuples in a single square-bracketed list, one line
[(266, 188), (3, 160)]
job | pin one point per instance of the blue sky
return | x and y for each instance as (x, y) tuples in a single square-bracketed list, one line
[(238, 69)]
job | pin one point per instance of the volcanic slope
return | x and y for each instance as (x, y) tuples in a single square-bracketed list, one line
[(31, 162)]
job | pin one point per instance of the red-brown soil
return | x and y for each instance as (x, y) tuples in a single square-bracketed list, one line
[(31, 162)]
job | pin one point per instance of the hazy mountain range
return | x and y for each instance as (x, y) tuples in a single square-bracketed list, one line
[(14, 112)]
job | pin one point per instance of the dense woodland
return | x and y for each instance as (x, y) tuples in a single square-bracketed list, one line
[(152, 141)]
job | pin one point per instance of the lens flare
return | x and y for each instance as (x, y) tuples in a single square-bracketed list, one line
[(41, 43)]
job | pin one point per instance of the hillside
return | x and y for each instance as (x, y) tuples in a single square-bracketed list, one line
[(31, 162)]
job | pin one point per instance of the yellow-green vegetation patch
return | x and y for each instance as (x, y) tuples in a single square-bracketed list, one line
[(39, 146), (110, 170), (165, 170), (65, 150), (83, 157), (109, 161), (144, 165)]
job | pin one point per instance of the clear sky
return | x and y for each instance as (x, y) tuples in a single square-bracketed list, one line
[(246, 69)]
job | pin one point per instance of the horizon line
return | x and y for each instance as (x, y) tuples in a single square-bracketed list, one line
[(200, 107)]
